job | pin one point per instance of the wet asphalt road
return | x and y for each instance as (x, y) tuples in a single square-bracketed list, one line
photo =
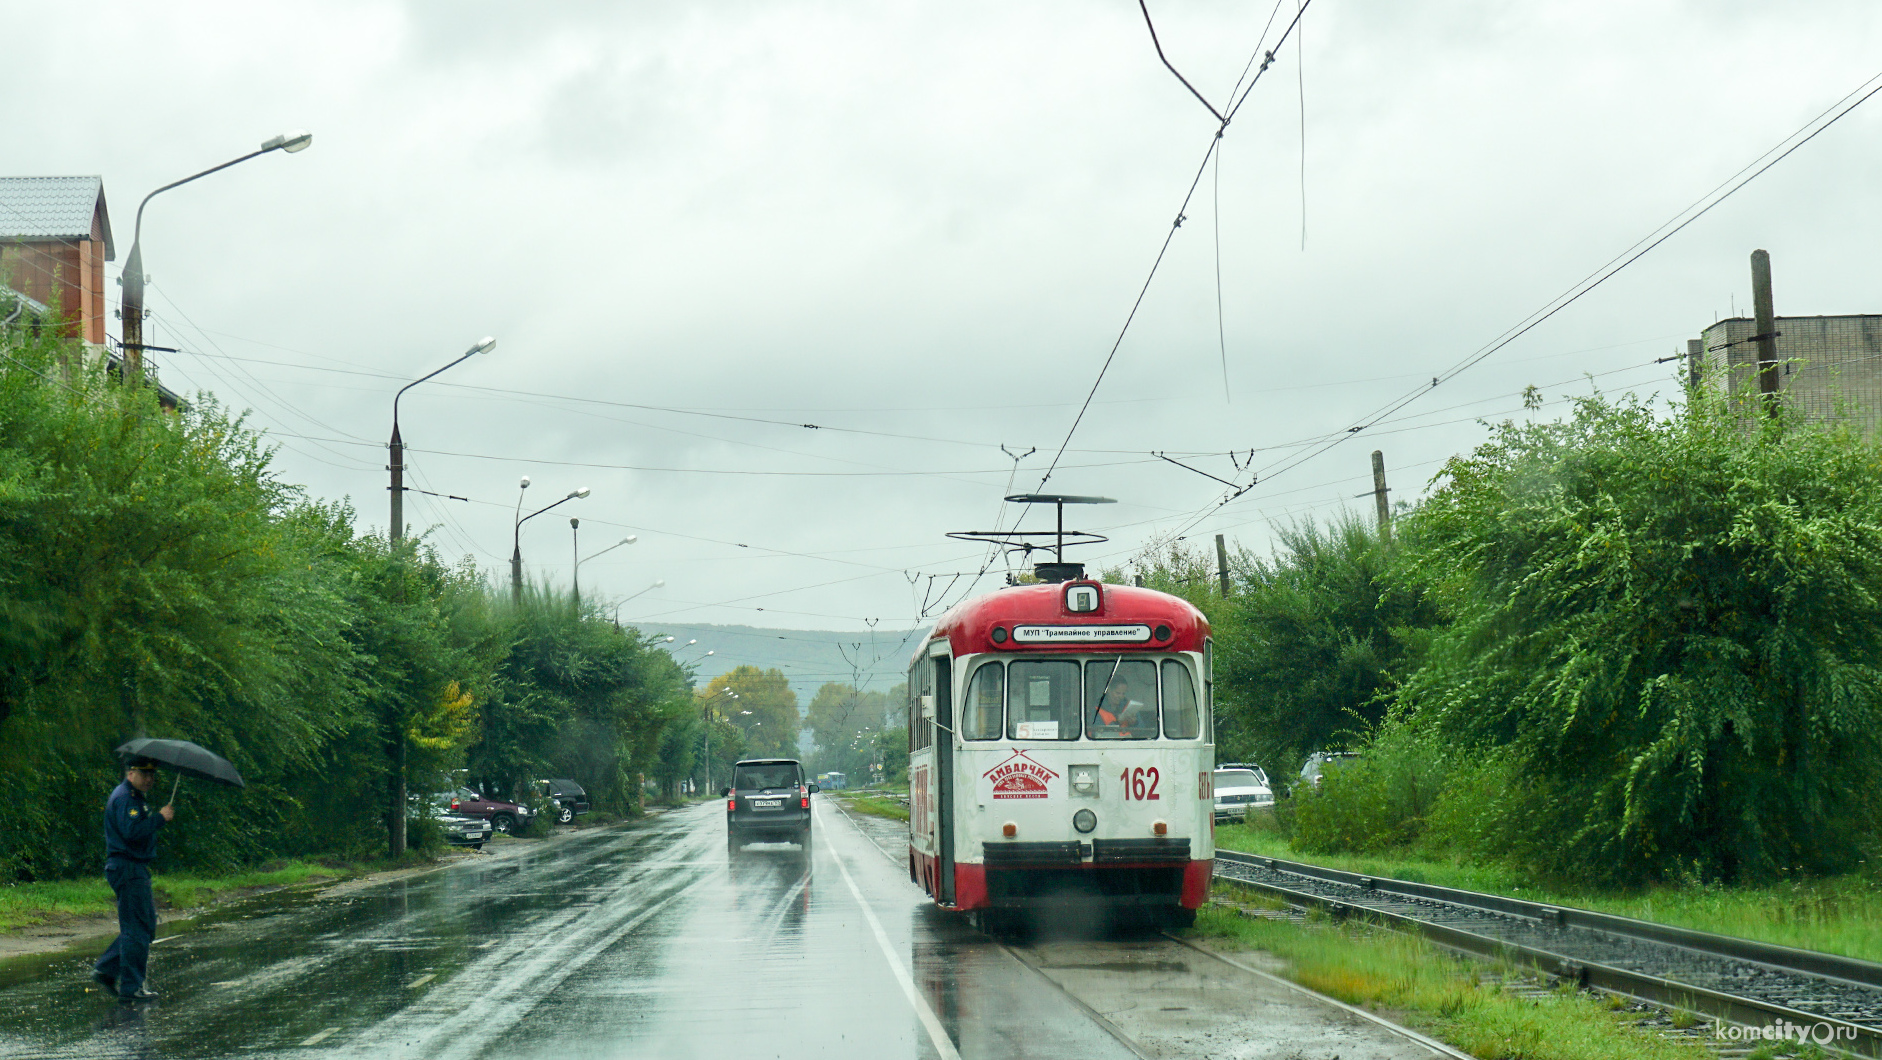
[(643, 942)]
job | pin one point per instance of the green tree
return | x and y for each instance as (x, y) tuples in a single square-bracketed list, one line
[(844, 722), (765, 710), (579, 697), (155, 579), (1320, 634), (1668, 639)]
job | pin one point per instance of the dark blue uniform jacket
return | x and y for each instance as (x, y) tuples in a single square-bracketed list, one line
[(131, 826)]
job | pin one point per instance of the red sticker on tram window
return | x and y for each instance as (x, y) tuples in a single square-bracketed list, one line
[(1019, 777)]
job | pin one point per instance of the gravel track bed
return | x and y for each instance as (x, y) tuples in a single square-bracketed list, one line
[(1801, 991)]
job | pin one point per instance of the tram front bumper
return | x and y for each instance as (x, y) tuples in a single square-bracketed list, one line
[(1066, 884)]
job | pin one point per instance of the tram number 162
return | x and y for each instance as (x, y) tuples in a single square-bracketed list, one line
[(1141, 784)]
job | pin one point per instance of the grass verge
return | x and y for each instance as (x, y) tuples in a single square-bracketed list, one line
[(875, 807), (1837, 914), (1416, 984), (51, 902)]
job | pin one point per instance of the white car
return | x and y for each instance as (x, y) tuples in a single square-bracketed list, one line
[(1240, 788)]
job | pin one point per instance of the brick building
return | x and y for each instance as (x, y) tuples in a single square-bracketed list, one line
[(1823, 363), (55, 237)]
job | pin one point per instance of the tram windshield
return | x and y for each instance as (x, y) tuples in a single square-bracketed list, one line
[(1042, 700), (1110, 698), (980, 714), (1122, 698)]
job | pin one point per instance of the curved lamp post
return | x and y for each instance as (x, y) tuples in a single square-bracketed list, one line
[(516, 552), (397, 444), (575, 544), (131, 300)]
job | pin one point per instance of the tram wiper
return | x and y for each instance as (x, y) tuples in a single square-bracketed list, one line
[(1107, 686)]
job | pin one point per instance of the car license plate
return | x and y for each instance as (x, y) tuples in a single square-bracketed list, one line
[(766, 804)]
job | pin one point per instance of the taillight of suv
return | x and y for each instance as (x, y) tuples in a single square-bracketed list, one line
[(731, 804)]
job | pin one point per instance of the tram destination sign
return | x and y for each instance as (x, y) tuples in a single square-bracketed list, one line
[(1134, 633)]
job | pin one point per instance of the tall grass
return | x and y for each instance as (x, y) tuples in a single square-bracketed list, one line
[(52, 902), (1442, 995), (1833, 914)]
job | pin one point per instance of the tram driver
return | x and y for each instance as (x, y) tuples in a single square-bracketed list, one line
[(1117, 709)]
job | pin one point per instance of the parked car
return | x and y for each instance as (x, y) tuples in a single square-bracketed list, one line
[(567, 799), (767, 802), (1321, 762), (458, 829), (505, 817), (1240, 788), (461, 831)]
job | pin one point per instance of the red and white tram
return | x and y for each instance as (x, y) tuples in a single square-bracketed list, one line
[(1061, 750)]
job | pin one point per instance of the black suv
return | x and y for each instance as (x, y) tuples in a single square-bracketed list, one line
[(767, 802), (567, 799)]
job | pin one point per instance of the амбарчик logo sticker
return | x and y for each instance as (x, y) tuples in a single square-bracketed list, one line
[(1019, 777)]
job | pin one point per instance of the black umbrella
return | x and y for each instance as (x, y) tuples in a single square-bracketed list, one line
[(186, 758)]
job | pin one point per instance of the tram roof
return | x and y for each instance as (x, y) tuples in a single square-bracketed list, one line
[(969, 625)]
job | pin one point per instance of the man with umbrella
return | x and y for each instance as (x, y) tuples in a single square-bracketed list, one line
[(130, 846)]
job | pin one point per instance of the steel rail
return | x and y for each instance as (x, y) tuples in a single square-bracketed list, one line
[(1853, 1039)]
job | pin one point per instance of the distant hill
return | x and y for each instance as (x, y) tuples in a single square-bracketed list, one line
[(808, 657)]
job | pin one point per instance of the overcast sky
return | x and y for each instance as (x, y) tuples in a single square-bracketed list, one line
[(695, 227)]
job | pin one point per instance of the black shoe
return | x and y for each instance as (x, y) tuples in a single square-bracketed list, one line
[(104, 980), (143, 994)]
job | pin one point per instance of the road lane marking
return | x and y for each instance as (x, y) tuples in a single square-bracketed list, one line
[(421, 981), (936, 1033), (321, 1037)]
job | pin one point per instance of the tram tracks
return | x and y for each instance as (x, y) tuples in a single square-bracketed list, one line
[(1836, 999)]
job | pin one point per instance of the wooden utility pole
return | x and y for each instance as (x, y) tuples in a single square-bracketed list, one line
[(1222, 563), (1378, 494), (1765, 322)]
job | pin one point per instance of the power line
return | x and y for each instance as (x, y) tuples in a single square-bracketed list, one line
[(1169, 236), (1667, 230)]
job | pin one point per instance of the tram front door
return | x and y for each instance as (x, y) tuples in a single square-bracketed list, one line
[(944, 773)]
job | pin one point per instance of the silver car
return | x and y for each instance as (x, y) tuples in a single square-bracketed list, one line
[(459, 831), (1240, 788)]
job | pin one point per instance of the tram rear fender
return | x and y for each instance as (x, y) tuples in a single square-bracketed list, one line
[(1196, 876)]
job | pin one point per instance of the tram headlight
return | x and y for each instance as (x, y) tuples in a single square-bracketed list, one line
[(1084, 782), (1084, 820)]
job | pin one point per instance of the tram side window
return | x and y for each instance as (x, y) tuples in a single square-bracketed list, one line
[(1181, 719), (980, 715), (920, 706), (1122, 698), (1042, 699)]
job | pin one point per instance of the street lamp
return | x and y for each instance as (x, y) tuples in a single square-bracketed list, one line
[(516, 552), (574, 527), (707, 707), (397, 444), (131, 301)]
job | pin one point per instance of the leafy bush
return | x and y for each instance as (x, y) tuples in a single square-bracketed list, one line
[(1377, 802), (1667, 636)]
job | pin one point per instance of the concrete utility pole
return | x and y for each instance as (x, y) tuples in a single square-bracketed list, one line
[(1765, 321), (1378, 494), (1222, 563), (575, 554)]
